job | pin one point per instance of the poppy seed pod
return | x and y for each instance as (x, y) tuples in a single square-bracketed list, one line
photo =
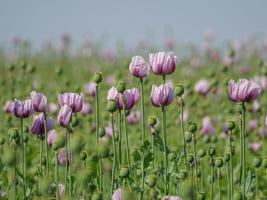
[(97, 78), (151, 180), (124, 172), (218, 162), (112, 106), (192, 127), (179, 90), (152, 121), (120, 86), (230, 125), (212, 151)]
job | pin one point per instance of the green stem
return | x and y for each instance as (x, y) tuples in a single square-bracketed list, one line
[(243, 150), (182, 130), (119, 130), (69, 158), (231, 166), (195, 156), (212, 178), (126, 135), (219, 182), (229, 181), (257, 183), (97, 136), (66, 166), (143, 136), (56, 176), (23, 167), (114, 153), (165, 150), (46, 144)]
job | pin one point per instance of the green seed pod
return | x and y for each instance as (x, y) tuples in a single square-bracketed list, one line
[(152, 121), (13, 133), (257, 162), (226, 157), (151, 180), (83, 155), (120, 86), (230, 125), (112, 106), (59, 141), (188, 137), (97, 196), (97, 78), (218, 162), (124, 172), (171, 156), (179, 90), (212, 151), (192, 127), (102, 132), (201, 153)]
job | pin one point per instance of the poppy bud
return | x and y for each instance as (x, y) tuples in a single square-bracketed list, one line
[(188, 137), (218, 162), (97, 78), (151, 180), (124, 172), (201, 153), (120, 86), (257, 162), (112, 106), (192, 127), (230, 125), (212, 151), (83, 155), (226, 157), (102, 132), (179, 90), (152, 121)]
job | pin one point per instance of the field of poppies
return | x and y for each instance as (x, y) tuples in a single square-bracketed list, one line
[(146, 123)]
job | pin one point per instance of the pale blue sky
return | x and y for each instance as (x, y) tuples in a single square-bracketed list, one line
[(130, 21)]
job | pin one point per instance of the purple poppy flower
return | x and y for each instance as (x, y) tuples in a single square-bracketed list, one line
[(62, 157), (8, 107), (39, 101), (64, 115), (202, 87), (73, 100), (161, 95), (22, 109), (134, 117), (139, 67), (91, 88), (117, 195), (51, 136), (37, 127), (162, 63), (244, 90), (207, 126), (86, 109)]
